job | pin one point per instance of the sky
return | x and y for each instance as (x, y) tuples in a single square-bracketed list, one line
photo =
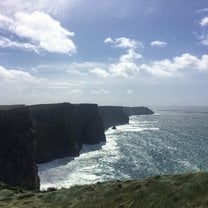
[(120, 52)]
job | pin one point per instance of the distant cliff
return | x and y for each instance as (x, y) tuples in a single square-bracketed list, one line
[(113, 115), (63, 128), (138, 111), (17, 142)]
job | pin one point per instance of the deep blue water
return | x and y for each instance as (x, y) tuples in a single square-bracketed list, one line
[(173, 140)]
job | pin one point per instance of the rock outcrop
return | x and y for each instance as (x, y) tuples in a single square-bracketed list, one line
[(113, 116), (63, 128), (17, 142), (138, 111)]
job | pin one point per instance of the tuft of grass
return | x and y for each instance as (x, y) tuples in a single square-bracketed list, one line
[(165, 191)]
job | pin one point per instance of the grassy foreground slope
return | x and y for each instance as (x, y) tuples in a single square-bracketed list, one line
[(170, 191)]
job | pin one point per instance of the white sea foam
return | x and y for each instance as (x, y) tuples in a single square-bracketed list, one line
[(148, 145), (86, 169), (94, 164)]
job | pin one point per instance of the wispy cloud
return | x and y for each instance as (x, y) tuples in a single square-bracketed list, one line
[(130, 91), (131, 56), (124, 42), (9, 7), (202, 10), (6, 43), (100, 92), (203, 37), (204, 21), (100, 72), (159, 43), (17, 76)]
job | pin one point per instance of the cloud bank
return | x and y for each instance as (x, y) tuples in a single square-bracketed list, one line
[(176, 66)]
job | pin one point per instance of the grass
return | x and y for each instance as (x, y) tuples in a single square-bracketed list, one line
[(168, 191)]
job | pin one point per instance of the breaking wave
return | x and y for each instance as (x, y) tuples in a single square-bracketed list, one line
[(166, 142)]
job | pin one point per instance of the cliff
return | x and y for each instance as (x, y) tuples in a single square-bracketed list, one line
[(41, 133), (113, 115), (17, 142), (169, 191), (63, 128), (138, 111), (92, 124)]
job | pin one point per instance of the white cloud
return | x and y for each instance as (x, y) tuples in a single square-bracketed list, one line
[(6, 43), (100, 72), (124, 42), (204, 39), (202, 10), (158, 43), (121, 69), (130, 91), (40, 30), (108, 40), (5, 21), (100, 92), (174, 67), (10, 7), (130, 56), (76, 91), (124, 69), (11, 76), (204, 21)]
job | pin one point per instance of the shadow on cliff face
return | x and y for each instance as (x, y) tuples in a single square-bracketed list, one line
[(63, 161), (90, 148)]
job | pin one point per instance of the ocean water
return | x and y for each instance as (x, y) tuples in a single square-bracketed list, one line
[(173, 140)]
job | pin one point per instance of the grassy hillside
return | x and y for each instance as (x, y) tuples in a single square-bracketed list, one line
[(171, 191)]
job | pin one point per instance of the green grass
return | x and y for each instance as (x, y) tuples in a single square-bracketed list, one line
[(170, 191)]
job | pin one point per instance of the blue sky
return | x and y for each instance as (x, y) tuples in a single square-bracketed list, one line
[(121, 52)]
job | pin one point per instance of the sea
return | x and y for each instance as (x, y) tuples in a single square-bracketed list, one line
[(173, 140)]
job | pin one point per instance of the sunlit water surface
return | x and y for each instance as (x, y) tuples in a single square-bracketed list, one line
[(173, 140)]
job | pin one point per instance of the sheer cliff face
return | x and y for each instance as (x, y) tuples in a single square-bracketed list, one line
[(41, 133), (17, 140), (113, 115), (138, 111), (92, 124), (63, 128)]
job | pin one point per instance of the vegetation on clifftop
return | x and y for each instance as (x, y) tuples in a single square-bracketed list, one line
[(169, 191)]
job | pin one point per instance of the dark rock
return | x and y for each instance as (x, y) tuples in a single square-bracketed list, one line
[(63, 128), (92, 124), (113, 116), (17, 141), (9, 107), (138, 111)]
